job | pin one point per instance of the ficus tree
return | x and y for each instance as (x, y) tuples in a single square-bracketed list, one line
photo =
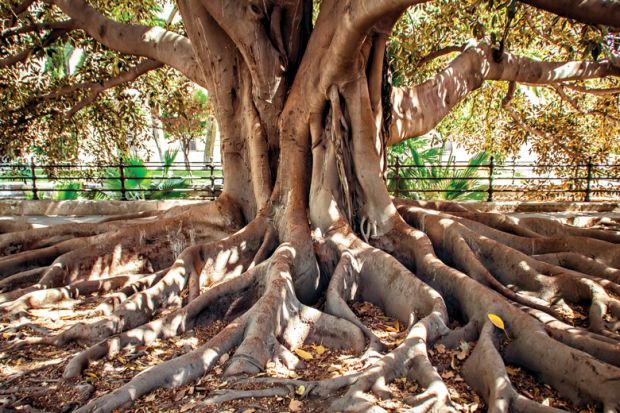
[(302, 98)]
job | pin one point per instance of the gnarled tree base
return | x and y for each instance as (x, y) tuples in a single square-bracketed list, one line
[(399, 324)]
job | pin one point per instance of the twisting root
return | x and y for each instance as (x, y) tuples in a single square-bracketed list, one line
[(172, 373), (490, 261), (574, 373), (214, 301), (44, 298), (278, 314), (384, 281), (484, 370), (218, 259)]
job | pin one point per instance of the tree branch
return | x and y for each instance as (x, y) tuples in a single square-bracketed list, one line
[(598, 92), (605, 12), (65, 24), (435, 54), (517, 118), (419, 109), (559, 89), (155, 43), (365, 14), (25, 54), (97, 88)]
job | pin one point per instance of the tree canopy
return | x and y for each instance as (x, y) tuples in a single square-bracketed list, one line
[(63, 88)]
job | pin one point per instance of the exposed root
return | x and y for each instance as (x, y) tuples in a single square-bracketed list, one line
[(172, 373), (567, 369), (253, 280), (486, 373), (488, 260), (214, 302), (140, 308), (44, 298)]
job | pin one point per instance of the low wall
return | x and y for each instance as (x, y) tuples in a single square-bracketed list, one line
[(84, 208)]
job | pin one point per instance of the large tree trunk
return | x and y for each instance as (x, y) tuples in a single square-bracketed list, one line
[(305, 215)]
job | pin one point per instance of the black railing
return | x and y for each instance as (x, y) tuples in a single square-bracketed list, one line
[(513, 181), (152, 180), (123, 180)]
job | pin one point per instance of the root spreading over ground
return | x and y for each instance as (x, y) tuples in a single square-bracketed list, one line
[(231, 317)]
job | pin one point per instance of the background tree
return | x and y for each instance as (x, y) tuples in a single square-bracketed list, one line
[(305, 112), (185, 118)]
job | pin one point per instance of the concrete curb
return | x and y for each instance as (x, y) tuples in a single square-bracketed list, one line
[(84, 208)]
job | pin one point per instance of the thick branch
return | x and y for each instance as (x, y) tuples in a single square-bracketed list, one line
[(365, 14), (242, 23), (419, 109), (124, 77), (606, 12), (155, 43)]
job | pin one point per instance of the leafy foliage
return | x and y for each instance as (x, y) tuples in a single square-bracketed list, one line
[(424, 175), (142, 183), (570, 131), (572, 126)]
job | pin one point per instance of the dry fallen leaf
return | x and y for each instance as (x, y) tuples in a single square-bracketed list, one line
[(187, 406), (303, 354), (300, 390), (447, 374), (295, 405), (180, 395), (319, 349)]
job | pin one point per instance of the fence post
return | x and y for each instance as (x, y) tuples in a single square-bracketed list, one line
[(35, 192), (121, 169), (212, 176), (490, 189), (589, 180), (397, 178)]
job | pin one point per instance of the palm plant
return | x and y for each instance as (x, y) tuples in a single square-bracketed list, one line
[(142, 183), (423, 175)]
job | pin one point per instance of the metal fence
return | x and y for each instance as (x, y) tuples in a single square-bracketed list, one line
[(586, 182), (152, 180), (123, 180)]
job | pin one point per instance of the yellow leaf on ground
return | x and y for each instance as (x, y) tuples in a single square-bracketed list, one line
[(496, 320), (303, 354), (319, 349), (294, 405), (300, 390)]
